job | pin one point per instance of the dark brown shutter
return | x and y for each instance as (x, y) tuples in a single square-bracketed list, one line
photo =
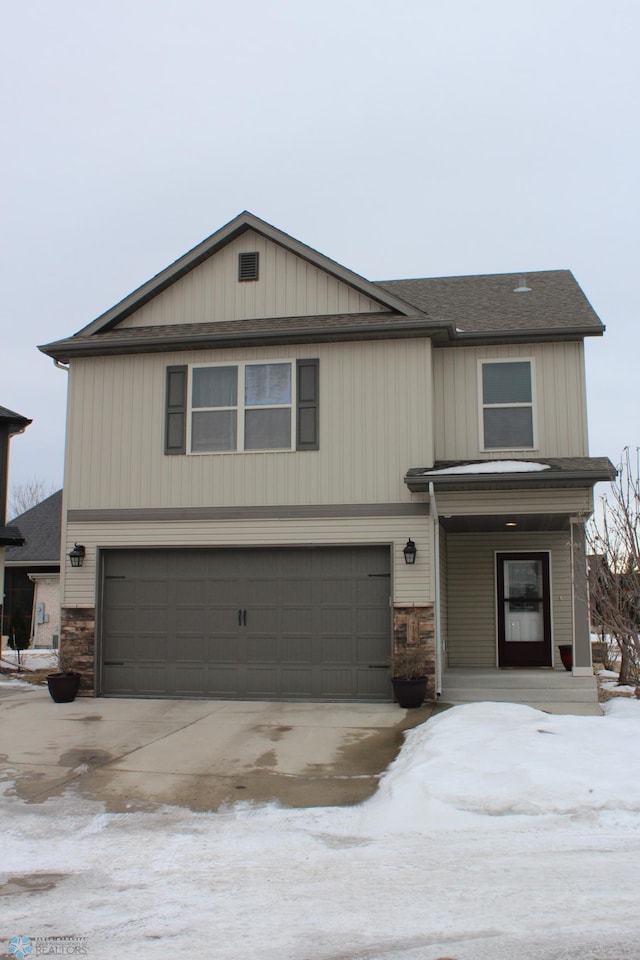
[(308, 432), (175, 432)]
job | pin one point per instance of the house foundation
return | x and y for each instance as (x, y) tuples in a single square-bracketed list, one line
[(77, 644), (415, 625)]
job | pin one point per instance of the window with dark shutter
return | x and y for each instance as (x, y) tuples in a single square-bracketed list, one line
[(175, 431), (248, 266), (307, 433)]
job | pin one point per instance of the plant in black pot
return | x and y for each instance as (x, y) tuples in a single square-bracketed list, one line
[(409, 669), (64, 685)]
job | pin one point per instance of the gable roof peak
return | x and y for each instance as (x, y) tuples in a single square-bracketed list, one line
[(211, 245)]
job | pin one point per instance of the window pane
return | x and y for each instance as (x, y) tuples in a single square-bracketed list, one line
[(267, 383), (213, 430), (267, 430), (215, 387), (506, 427), (506, 382)]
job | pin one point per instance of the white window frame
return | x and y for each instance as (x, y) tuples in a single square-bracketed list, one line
[(241, 407), (532, 404)]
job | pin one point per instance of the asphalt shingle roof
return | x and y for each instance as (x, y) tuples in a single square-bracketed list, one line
[(40, 526), (488, 303)]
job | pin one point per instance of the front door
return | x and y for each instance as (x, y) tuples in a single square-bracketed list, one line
[(524, 610)]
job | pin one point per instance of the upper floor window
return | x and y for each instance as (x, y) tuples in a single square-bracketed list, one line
[(507, 404), (245, 406)]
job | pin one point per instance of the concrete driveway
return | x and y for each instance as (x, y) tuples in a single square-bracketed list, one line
[(197, 753)]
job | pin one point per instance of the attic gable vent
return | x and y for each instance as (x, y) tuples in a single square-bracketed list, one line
[(248, 266)]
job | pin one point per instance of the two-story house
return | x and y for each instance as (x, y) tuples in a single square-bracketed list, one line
[(257, 440)]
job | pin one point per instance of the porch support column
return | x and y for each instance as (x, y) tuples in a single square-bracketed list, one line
[(582, 665)]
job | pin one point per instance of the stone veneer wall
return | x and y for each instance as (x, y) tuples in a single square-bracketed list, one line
[(77, 644), (416, 625)]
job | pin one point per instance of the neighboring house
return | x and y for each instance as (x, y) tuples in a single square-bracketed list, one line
[(255, 434), (10, 424), (32, 572)]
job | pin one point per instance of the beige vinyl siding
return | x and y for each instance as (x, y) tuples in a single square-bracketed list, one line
[(472, 592), (571, 500), (560, 412), (375, 422), (288, 286), (409, 583)]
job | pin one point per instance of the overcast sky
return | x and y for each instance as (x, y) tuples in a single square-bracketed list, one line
[(402, 138)]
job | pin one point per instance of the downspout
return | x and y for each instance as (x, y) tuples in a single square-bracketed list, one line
[(436, 574)]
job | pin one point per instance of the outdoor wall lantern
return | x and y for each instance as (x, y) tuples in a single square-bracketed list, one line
[(76, 556), (410, 552)]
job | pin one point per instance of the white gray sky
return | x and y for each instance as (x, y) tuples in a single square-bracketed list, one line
[(402, 138)]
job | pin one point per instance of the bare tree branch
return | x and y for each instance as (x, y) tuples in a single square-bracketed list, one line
[(613, 537), (29, 493)]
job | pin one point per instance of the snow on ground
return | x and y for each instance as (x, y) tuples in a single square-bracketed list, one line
[(499, 833), (29, 660)]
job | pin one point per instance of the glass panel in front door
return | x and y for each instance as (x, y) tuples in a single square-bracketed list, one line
[(523, 611)]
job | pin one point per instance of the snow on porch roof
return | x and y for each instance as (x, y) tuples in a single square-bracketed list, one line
[(485, 474)]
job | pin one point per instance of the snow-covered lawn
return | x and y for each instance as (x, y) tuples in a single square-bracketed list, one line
[(499, 833), (30, 660)]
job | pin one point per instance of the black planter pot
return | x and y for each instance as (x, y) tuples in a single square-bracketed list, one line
[(566, 655), (63, 687), (409, 693)]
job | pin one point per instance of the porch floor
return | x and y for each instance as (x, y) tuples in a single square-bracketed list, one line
[(555, 691)]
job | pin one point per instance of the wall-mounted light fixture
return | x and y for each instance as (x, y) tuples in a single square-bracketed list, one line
[(410, 552), (76, 556)]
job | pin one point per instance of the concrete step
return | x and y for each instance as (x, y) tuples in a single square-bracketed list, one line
[(515, 694), (555, 691), (529, 679)]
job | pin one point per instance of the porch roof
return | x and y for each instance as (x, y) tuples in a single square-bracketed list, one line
[(544, 473)]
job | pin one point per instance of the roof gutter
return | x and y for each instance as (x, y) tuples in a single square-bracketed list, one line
[(63, 350)]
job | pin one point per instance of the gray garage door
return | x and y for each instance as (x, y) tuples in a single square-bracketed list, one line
[(241, 624)]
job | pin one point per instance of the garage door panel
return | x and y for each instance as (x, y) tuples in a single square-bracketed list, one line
[(296, 650), (296, 591), (190, 649), (262, 681), (334, 592), (336, 620), (189, 681), (222, 649), (261, 592), (296, 682), (372, 684), (153, 679), (296, 621), (366, 621), (150, 647), (337, 682), (120, 679), (224, 681), (264, 649), (191, 620), (150, 619), (337, 649), (222, 592), (247, 623)]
